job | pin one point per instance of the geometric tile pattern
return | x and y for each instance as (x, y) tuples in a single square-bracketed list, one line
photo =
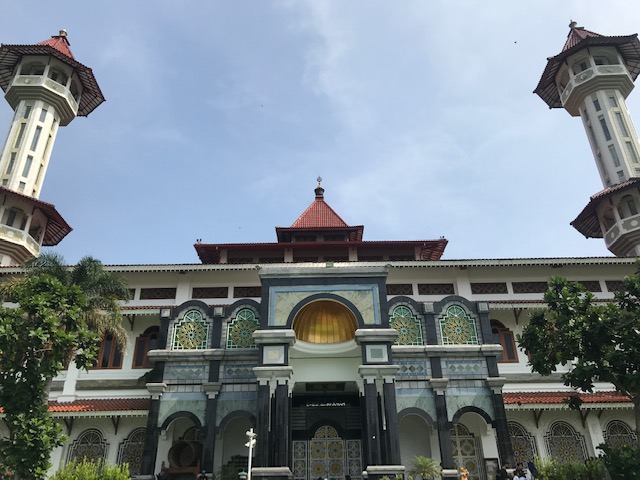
[(565, 444), (466, 451), (89, 445), (240, 330), (618, 434), (191, 332), (457, 327), (524, 444), (131, 449), (185, 372), (412, 369), (459, 367), (407, 325), (238, 371)]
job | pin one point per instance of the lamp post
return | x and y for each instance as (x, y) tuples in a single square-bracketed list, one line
[(251, 435)]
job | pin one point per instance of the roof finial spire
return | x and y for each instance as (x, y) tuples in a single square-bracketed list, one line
[(573, 25), (63, 32), (319, 190)]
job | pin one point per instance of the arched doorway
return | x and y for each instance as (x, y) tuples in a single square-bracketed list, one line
[(327, 455), (415, 439), (467, 451)]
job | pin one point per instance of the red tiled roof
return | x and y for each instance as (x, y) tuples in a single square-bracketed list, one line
[(555, 398), (576, 35), (319, 215), (579, 38), (60, 43), (587, 220), (101, 405)]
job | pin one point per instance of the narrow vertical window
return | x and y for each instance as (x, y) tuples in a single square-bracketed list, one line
[(11, 217), (605, 128), (631, 205), (621, 175), (596, 104), (12, 162), (614, 155), (27, 111), (5, 182), (592, 136), (39, 173), (21, 186), (586, 114), (621, 125), (632, 152), (36, 137), (20, 134), (612, 100), (43, 114), (27, 166)]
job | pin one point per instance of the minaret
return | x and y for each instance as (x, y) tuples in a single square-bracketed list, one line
[(47, 88), (591, 78)]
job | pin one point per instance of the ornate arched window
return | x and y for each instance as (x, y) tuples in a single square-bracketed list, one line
[(618, 434), (457, 327), (565, 444), (524, 444), (240, 329), (131, 450), (192, 332), (145, 342), (506, 338), (408, 326), (91, 445), (466, 451)]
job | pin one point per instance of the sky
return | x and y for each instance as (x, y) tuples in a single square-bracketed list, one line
[(418, 115)]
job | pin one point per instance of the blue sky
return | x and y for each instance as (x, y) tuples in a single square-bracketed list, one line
[(418, 115)]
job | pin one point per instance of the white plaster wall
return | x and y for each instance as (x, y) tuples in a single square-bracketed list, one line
[(415, 439)]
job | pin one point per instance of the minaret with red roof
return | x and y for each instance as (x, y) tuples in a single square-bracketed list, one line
[(47, 88), (591, 78)]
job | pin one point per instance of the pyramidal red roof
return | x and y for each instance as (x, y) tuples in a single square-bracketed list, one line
[(60, 43), (319, 214), (576, 35)]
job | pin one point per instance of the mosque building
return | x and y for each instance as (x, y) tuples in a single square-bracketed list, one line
[(346, 357)]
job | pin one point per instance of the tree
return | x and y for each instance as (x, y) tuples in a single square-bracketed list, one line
[(425, 467), (600, 342), (103, 289), (61, 315)]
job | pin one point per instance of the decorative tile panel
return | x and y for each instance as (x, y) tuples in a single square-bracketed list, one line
[(407, 325), (157, 293), (613, 285), (488, 288), (247, 292), (459, 397), (464, 368), (185, 372), (420, 398), (210, 292), (399, 289), (238, 371), (457, 327), (240, 329), (591, 285), (529, 287), (436, 289), (229, 402), (174, 402), (412, 369)]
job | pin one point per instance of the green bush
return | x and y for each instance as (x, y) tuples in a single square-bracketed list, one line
[(621, 462), (551, 469), (90, 470)]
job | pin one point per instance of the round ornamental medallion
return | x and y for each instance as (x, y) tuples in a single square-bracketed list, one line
[(457, 327), (191, 335)]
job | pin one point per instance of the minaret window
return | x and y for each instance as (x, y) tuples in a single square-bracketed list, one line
[(33, 68), (20, 134), (12, 162), (36, 137), (614, 155), (612, 99), (11, 217), (632, 152), (39, 173), (43, 114), (580, 66), (27, 111), (58, 76), (27, 166), (75, 90), (596, 103), (21, 186), (621, 125), (620, 175), (605, 128), (631, 204)]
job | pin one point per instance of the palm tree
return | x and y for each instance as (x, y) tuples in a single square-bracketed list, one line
[(426, 467), (103, 289)]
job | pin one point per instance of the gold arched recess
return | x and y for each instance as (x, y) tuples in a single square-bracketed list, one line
[(325, 321)]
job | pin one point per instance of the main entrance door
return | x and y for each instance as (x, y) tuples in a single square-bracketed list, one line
[(327, 455)]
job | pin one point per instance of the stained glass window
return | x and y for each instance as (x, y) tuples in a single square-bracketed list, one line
[(457, 327), (131, 449), (240, 330), (408, 326), (618, 434), (90, 445), (191, 332), (565, 444), (524, 445)]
